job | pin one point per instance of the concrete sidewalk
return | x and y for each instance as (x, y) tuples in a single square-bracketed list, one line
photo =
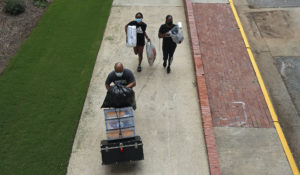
[(167, 117)]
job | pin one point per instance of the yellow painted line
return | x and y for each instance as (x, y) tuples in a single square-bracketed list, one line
[(266, 95)]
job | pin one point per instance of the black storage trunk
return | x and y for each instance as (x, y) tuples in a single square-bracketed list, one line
[(122, 150)]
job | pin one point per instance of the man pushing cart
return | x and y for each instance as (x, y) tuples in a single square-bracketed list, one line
[(122, 144)]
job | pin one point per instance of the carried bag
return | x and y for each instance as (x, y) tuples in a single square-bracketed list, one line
[(176, 34), (131, 36), (151, 53)]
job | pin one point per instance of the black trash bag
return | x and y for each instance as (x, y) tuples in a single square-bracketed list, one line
[(118, 97)]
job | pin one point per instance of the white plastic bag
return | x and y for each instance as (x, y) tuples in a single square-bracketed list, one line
[(151, 53), (176, 34), (131, 36)]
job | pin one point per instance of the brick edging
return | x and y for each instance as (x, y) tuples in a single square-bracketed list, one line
[(213, 160)]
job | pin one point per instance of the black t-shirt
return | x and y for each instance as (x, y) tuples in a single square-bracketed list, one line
[(140, 31), (126, 78), (166, 40)]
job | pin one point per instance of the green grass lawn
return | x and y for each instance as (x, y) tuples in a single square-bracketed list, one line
[(43, 89)]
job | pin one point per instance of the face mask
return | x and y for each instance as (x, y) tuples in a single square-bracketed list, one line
[(169, 23), (138, 20), (119, 74)]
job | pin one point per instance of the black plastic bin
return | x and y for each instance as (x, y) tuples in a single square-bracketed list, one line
[(122, 150)]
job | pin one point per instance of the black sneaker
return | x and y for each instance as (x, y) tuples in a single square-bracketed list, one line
[(139, 68), (165, 63), (168, 69)]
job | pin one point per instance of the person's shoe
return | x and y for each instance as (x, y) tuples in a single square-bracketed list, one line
[(165, 63), (168, 69), (139, 68)]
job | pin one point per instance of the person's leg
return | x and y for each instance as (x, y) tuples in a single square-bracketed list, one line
[(165, 55), (140, 50), (135, 50), (170, 59), (140, 53)]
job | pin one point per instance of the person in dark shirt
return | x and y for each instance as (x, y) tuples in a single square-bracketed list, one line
[(169, 45), (120, 76), (141, 35)]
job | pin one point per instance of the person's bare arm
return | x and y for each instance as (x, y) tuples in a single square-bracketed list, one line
[(160, 35), (126, 26), (107, 86), (131, 85), (146, 36)]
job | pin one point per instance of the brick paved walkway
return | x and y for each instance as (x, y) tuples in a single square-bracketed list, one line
[(234, 94)]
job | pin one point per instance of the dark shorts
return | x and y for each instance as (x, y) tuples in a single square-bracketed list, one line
[(140, 42)]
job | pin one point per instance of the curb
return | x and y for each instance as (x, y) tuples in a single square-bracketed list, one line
[(213, 160)]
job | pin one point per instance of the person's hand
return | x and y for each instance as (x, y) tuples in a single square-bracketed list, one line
[(167, 34), (180, 42), (148, 39), (118, 83)]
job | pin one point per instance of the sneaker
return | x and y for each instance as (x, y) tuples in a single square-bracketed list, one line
[(168, 69), (139, 68), (165, 63)]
